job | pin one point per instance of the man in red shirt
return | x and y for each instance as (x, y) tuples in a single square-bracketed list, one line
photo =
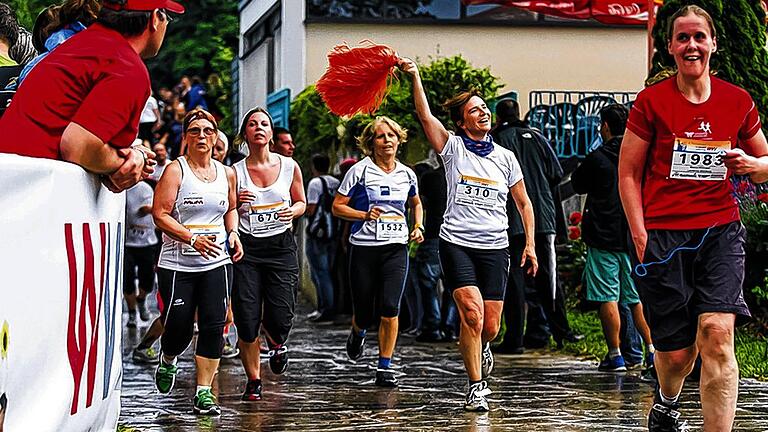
[(677, 154), (82, 103)]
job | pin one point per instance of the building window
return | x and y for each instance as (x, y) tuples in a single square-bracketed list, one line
[(263, 31)]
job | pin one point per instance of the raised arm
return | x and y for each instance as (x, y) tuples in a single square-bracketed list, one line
[(634, 151), (436, 133)]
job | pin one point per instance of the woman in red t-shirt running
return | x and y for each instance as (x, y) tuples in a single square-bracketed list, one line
[(679, 148)]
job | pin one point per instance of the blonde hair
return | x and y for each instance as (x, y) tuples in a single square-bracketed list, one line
[(365, 140), (690, 10)]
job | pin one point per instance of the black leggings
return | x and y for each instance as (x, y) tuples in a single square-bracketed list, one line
[(266, 280), (377, 276), (185, 293)]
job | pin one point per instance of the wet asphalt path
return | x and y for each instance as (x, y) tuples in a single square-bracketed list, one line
[(323, 390)]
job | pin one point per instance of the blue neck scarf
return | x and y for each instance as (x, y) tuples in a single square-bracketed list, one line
[(480, 148)]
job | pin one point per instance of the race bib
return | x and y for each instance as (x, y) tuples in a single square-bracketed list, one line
[(215, 233), (698, 160), (477, 192), (391, 227), (263, 218)]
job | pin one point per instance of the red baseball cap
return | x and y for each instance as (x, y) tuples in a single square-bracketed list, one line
[(144, 5)]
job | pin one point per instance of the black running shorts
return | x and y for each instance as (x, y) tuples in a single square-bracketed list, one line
[(707, 279), (487, 269)]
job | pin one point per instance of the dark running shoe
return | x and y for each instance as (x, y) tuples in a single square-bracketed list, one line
[(355, 345), (612, 364), (204, 403), (278, 359), (385, 378), (665, 417), (252, 391)]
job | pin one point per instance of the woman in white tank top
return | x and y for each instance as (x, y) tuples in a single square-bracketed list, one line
[(195, 208), (474, 251), (270, 196)]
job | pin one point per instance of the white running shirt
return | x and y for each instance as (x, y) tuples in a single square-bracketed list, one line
[(259, 217), (367, 185), (476, 211), (139, 229), (200, 207)]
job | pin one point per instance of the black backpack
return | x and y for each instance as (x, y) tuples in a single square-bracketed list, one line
[(323, 225)]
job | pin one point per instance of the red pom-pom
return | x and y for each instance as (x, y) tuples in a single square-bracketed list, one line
[(357, 78)]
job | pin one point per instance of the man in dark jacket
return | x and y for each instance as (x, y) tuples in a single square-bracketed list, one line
[(541, 173), (607, 273)]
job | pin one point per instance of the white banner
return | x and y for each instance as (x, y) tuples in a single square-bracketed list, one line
[(60, 298)]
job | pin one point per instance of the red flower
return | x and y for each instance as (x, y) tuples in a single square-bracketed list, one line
[(574, 218), (574, 232), (763, 197), (742, 187)]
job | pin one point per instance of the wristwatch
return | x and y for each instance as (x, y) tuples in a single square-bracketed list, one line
[(193, 239), (419, 227)]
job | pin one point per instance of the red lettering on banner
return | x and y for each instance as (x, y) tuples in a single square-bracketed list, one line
[(76, 327)]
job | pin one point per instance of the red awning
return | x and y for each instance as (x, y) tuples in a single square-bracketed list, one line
[(605, 11)]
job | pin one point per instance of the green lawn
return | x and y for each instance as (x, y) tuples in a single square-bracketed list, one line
[(751, 348)]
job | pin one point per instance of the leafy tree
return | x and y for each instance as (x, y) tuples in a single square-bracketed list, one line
[(318, 130), (27, 10), (741, 56)]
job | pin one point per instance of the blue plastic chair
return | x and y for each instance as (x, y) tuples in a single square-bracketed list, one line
[(588, 121)]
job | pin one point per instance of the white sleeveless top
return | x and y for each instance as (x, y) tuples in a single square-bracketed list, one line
[(476, 210), (200, 207), (259, 217)]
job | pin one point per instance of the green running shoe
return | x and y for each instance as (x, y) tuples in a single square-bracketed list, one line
[(204, 403), (165, 377)]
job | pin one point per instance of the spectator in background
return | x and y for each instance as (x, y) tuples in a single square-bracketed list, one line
[(82, 104), (170, 134), (282, 143), (608, 273), (23, 51), (343, 295), (161, 156), (435, 326), (193, 93), (149, 121), (223, 153), (9, 33), (541, 173), (322, 235), (56, 24)]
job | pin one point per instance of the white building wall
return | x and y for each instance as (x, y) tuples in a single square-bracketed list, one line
[(289, 48)]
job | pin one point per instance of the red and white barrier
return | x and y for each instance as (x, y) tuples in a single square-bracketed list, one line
[(60, 297)]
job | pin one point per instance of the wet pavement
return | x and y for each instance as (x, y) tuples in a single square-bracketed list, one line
[(323, 390)]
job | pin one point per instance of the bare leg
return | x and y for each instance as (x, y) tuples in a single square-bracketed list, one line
[(387, 336), (611, 322), (641, 324), (206, 369), (672, 367), (491, 319), (470, 305), (250, 354), (719, 383)]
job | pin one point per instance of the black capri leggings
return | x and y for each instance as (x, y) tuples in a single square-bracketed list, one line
[(266, 280), (142, 259), (377, 276), (183, 293)]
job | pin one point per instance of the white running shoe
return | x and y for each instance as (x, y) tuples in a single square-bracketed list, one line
[(487, 360), (476, 400)]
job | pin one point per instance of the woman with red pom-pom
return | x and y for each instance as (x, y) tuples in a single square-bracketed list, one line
[(473, 238)]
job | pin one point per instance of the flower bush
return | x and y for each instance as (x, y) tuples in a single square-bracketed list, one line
[(753, 207)]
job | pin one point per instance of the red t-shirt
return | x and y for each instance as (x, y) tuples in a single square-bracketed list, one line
[(660, 115), (94, 79)]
